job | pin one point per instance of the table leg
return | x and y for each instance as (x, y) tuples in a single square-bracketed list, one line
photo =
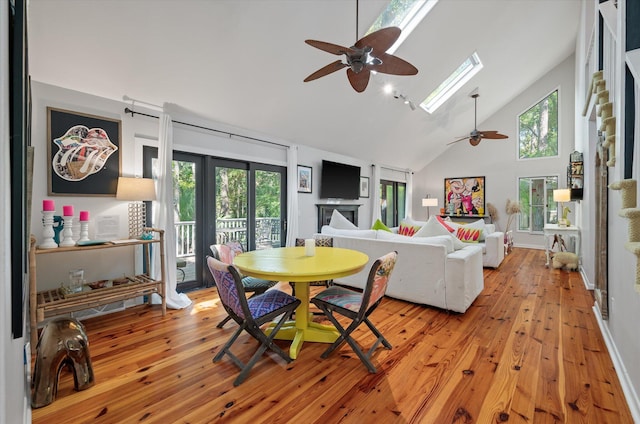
[(303, 328)]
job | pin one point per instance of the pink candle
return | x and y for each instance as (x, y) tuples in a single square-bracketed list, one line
[(67, 210), (84, 215), (48, 205)]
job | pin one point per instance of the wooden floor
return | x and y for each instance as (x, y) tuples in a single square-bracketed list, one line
[(528, 351)]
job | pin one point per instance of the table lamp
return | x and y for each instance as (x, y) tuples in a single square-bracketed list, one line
[(428, 202), (562, 195), (138, 190)]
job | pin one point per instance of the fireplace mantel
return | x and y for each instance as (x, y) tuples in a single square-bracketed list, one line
[(326, 209)]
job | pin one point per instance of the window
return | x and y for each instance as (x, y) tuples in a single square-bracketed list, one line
[(453, 83), (404, 14), (538, 129), (535, 195)]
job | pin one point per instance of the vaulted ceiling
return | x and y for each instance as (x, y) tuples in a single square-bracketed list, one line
[(242, 63)]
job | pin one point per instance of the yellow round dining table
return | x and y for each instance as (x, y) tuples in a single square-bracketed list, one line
[(293, 265)]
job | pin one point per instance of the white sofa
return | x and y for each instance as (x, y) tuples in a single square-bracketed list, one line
[(492, 247), (428, 271)]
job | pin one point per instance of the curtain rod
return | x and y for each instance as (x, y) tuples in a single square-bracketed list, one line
[(230, 134)]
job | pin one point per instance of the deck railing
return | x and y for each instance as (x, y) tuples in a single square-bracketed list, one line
[(228, 229)]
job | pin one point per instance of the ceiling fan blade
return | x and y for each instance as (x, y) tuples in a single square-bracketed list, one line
[(494, 135), (380, 40), (360, 80), (459, 139), (328, 47), (326, 70), (393, 65)]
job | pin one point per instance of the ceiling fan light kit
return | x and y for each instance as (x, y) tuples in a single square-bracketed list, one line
[(476, 136)]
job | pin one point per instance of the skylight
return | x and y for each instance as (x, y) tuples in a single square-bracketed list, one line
[(404, 14), (457, 79)]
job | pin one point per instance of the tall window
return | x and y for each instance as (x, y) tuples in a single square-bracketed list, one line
[(393, 196), (535, 195), (538, 129)]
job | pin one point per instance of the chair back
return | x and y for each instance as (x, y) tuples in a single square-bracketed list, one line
[(320, 241), (229, 285), (226, 252), (378, 280)]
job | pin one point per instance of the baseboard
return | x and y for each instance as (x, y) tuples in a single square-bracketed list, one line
[(627, 387), (587, 284)]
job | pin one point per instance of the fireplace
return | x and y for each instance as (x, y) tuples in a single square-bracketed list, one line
[(325, 210)]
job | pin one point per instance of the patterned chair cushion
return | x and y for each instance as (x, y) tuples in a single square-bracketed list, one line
[(227, 290), (341, 297), (268, 301)]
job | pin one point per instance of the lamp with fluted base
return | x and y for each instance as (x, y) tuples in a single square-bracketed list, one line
[(138, 190)]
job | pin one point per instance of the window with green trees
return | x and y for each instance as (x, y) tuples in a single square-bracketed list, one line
[(537, 207), (538, 129)]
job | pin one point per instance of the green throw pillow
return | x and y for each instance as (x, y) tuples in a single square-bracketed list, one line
[(379, 225)]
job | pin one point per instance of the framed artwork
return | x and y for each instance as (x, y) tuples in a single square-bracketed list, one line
[(83, 153), (464, 196), (364, 186), (304, 179)]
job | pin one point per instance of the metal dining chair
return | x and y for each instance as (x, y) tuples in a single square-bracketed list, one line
[(250, 314), (225, 253), (357, 307)]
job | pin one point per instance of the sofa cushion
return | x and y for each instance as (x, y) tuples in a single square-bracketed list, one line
[(379, 225), (444, 240), (340, 222), (330, 231)]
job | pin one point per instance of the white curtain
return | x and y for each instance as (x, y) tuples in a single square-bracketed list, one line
[(409, 199), (292, 195), (375, 187), (163, 215)]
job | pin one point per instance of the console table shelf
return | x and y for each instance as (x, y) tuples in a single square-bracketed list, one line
[(54, 302)]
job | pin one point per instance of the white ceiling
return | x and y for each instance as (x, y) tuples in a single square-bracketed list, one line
[(242, 63)]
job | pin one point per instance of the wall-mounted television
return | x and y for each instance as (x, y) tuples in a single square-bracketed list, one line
[(339, 181)]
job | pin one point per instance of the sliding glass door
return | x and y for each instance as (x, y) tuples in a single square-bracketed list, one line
[(393, 199), (250, 203), (218, 200)]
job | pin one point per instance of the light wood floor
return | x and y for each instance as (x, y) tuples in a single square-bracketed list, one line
[(528, 351)]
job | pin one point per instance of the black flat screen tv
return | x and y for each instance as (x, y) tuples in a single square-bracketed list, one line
[(339, 181)]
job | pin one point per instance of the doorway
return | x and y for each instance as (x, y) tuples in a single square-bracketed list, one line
[(218, 200)]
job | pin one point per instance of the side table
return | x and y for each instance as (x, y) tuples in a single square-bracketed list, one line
[(552, 229)]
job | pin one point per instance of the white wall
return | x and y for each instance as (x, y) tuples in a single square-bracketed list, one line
[(496, 160), (621, 328)]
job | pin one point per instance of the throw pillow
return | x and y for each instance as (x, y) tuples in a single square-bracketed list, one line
[(340, 222), (434, 228), (468, 235), (445, 224), (407, 228), (379, 225), (479, 225)]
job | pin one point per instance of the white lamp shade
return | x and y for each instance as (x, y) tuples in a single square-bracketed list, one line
[(141, 189), (562, 195), (430, 201)]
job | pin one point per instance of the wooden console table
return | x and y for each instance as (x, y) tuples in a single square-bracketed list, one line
[(56, 302)]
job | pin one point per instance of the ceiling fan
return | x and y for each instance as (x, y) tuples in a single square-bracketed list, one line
[(476, 136), (366, 55)]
